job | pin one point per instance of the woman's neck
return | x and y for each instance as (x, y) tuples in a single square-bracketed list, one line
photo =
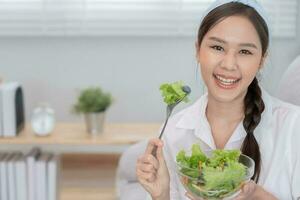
[(228, 112)]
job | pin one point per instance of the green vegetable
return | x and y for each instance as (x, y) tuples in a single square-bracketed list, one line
[(183, 159), (197, 156), (220, 157), (227, 178), (214, 177), (173, 92), (190, 163)]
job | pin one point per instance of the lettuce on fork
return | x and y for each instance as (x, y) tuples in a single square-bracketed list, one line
[(172, 92)]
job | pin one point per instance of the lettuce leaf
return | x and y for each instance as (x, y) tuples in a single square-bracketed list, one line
[(182, 159), (185, 163), (173, 92), (227, 178), (197, 156), (193, 160), (190, 164), (220, 157)]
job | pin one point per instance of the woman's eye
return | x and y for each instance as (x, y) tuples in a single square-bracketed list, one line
[(244, 51), (218, 48)]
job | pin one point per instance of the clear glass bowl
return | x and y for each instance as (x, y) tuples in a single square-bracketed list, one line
[(196, 187)]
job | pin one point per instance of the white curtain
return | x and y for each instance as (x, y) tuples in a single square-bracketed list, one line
[(123, 17)]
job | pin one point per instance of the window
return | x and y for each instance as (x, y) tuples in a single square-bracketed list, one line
[(123, 17)]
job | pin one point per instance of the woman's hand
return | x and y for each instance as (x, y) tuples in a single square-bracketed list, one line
[(188, 195), (152, 172), (247, 192), (250, 191)]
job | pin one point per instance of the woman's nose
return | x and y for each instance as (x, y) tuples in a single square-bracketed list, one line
[(229, 61)]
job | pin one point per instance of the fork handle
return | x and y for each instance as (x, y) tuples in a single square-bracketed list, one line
[(154, 150), (164, 127)]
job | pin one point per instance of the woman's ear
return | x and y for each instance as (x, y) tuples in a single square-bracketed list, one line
[(263, 59)]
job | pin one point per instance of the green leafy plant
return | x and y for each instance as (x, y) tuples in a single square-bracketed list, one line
[(92, 100)]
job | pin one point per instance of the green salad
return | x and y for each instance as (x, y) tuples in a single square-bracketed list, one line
[(214, 176), (172, 92)]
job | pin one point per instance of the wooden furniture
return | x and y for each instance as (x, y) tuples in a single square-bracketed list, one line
[(73, 138)]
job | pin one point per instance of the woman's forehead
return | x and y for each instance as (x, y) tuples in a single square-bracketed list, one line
[(235, 30)]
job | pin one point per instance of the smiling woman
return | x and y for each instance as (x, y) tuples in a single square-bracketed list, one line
[(235, 113), (241, 36), (229, 56)]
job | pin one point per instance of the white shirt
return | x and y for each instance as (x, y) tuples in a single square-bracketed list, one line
[(278, 136)]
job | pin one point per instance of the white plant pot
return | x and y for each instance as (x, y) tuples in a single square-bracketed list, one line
[(94, 122)]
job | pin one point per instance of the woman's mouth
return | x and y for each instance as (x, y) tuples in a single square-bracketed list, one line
[(226, 83)]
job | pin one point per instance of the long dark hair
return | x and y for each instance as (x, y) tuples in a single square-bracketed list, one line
[(253, 103)]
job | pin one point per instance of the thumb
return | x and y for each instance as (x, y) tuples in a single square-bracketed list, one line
[(249, 187), (153, 143), (160, 155)]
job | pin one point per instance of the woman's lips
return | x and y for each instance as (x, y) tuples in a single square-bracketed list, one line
[(226, 82), (226, 76)]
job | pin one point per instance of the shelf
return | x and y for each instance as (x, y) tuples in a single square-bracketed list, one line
[(88, 177), (87, 194), (75, 134), (85, 179)]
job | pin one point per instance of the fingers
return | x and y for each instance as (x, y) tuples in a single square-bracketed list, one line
[(247, 190), (188, 195), (159, 153), (160, 156), (148, 160), (149, 176), (147, 166), (153, 142)]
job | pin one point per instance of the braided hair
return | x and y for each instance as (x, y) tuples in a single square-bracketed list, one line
[(254, 106)]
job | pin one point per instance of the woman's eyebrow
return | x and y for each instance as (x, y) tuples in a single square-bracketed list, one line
[(224, 42)]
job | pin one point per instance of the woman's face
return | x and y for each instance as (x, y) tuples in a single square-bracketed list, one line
[(230, 55)]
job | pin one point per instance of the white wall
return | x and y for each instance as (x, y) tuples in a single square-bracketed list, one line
[(131, 68)]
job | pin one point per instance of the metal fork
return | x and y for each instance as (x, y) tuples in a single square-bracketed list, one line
[(170, 108)]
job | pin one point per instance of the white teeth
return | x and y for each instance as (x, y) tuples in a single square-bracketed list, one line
[(226, 81)]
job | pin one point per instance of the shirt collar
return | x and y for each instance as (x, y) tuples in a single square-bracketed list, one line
[(193, 115), (194, 118)]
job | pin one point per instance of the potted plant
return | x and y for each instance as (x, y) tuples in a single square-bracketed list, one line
[(93, 103)]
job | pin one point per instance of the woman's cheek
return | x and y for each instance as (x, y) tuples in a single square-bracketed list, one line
[(210, 58)]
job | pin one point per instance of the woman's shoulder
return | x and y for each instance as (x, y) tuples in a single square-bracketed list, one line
[(282, 114), (280, 107)]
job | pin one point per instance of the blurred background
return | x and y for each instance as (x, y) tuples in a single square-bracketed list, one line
[(56, 48)]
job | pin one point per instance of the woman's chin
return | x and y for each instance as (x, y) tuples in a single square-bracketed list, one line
[(227, 96)]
